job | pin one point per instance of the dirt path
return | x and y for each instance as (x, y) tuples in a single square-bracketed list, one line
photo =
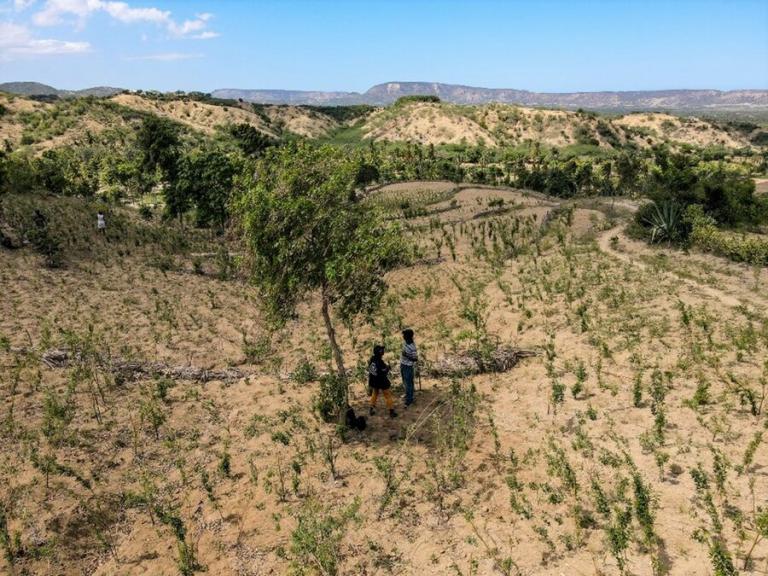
[(604, 243)]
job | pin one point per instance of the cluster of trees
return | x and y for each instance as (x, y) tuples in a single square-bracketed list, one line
[(725, 192), (431, 98), (196, 175), (683, 188)]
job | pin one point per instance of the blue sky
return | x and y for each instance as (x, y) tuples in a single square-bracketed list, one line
[(545, 45)]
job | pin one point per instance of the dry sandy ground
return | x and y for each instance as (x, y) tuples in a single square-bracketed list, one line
[(612, 311), (499, 124), (301, 121), (689, 130), (204, 117), (425, 123)]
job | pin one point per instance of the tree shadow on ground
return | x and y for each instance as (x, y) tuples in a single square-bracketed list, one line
[(414, 423)]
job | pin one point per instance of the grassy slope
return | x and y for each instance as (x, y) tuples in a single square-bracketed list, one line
[(497, 124), (606, 322), (45, 125)]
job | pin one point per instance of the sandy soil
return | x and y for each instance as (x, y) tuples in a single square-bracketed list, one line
[(603, 314), (426, 124), (204, 117), (688, 130), (301, 121), (499, 124)]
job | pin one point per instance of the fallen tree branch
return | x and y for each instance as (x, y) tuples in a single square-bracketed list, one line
[(470, 362), (130, 369)]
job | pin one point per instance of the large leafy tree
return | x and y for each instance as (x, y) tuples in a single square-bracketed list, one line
[(307, 230), (203, 181), (158, 144), (251, 141)]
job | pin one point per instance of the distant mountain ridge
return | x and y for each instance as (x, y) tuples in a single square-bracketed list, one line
[(38, 89), (387, 93)]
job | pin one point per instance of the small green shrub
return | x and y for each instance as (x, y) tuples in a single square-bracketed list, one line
[(740, 248), (145, 211), (304, 372), (331, 397), (316, 541)]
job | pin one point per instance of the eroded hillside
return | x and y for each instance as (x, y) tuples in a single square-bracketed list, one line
[(498, 124), (45, 125)]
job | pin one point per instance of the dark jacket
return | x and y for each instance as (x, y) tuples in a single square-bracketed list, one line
[(378, 374)]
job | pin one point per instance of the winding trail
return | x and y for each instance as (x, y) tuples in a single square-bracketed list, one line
[(604, 243)]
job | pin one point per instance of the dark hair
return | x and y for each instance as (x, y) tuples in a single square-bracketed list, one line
[(408, 335), (378, 350)]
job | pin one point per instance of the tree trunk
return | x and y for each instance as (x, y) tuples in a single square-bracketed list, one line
[(332, 334), (336, 353)]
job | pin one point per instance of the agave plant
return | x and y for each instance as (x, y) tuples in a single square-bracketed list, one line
[(666, 222)]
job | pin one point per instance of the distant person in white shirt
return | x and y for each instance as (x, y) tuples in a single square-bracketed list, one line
[(408, 359), (101, 223)]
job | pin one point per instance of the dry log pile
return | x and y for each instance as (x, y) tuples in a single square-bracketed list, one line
[(471, 362), (131, 369)]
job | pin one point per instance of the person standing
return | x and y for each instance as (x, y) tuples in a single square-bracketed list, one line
[(378, 380), (408, 359), (101, 223)]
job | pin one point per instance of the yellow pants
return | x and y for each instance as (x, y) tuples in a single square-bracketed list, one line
[(387, 397)]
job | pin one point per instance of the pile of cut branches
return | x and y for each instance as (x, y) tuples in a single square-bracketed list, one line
[(472, 362)]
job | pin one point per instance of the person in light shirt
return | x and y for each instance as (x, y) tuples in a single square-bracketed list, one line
[(408, 359)]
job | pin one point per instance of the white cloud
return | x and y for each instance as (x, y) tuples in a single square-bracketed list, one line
[(166, 56), (56, 12), (207, 35), (17, 40), (121, 11), (20, 5)]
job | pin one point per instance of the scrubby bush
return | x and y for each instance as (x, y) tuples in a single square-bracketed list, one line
[(739, 247), (251, 141), (331, 397), (304, 372), (417, 98), (316, 541)]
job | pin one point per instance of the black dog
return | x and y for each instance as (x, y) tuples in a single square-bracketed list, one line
[(353, 421)]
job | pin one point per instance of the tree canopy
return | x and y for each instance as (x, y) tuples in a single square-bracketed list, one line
[(306, 229), (158, 144), (204, 179)]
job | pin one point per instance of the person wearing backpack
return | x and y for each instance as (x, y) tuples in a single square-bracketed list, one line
[(409, 356), (378, 380)]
